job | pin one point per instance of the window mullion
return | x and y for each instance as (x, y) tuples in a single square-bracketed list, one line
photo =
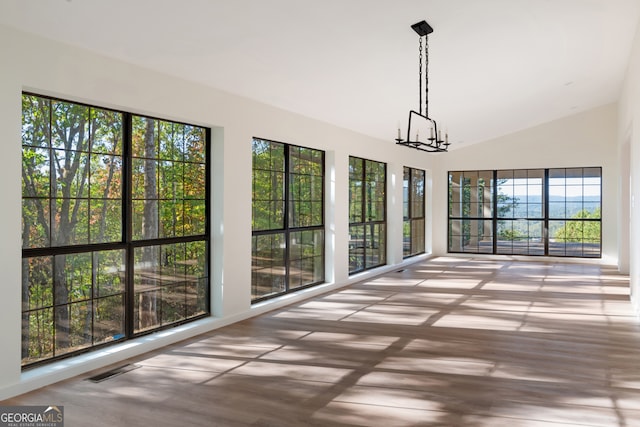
[(287, 199), (545, 230), (127, 233), (494, 219)]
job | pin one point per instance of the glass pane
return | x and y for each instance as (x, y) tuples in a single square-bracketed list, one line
[(504, 175), (268, 155), (171, 217), (145, 219), (146, 314), (470, 176), (356, 168), (356, 213), (79, 334), (105, 181), (37, 335), (196, 260), (456, 235), (557, 176), (35, 121), (106, 132), (170, 180), (574, 176), (35, 223), (105, 221), (405, 192), (375, 245), (159, 283), (471, 236), (78, 270), (144, 135), (70, 173), (72, 222), (146, 175), (268, 198), (557, 209), (196, 297), (37, 283), (417, 193), (147, 282), (109, 272), (195, 144), (194, 217), (375, 191), (171, 141), (109, 319), (307, 258), (417, 236), (486, 177), (591, 210), (69, 129), (267, 265), (174, 302), (406, 238), (194, 181), (456, 210), (507, 235), (35, 176), (356, 248)]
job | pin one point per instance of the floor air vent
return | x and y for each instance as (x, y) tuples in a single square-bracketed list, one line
[(112, 373)]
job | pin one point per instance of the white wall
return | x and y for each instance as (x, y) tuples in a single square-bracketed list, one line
[(42, 66), (581, 140), (629, 144)]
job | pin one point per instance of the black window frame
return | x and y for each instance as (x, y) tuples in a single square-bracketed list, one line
[(287, 230), (542, 215), (127, 244), (359, 248), (415, 223)]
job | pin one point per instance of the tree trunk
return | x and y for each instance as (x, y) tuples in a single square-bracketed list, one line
[(26, 230), (67, 220), (61, 300), (148, 302)]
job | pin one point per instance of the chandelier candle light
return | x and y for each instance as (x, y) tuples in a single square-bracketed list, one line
[(434, 143)]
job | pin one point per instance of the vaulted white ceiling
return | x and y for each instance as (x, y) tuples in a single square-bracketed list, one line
[(495, 66)]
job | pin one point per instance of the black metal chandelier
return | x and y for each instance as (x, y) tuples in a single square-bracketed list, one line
[(431, 140)]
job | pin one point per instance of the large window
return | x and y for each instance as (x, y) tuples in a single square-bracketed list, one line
[(114, 226), (520, 212), (367, 214), (575, 205), (553, 212), (413, 232), (471, 211), (288, 218)]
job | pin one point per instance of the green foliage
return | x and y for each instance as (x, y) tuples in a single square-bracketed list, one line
[(580, 231), (509, 234)]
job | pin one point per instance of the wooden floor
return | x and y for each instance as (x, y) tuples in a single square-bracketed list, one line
[(449, 342)]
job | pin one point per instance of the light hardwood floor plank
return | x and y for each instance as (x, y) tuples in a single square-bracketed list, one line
[(446, 342)]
